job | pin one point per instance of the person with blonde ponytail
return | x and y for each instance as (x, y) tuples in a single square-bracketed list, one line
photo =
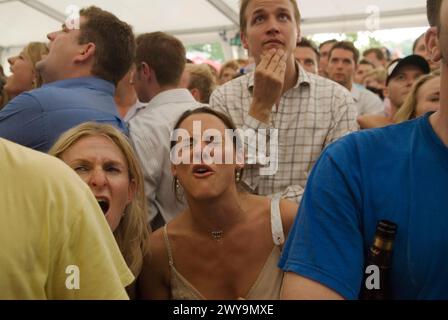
[(24, 76)]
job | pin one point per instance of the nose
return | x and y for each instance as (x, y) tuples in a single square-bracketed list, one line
[(97, 178), (11, 60), (339, 65), (201, 152), (410, 81), (51, 36), (272, 26)]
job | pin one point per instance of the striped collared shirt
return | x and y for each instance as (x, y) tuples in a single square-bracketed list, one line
[(311, 115)]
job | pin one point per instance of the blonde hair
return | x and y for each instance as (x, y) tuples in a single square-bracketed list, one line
[(133, 232), (202, 79), (379, 74), (231, 64), (34, 51), (408, 108)]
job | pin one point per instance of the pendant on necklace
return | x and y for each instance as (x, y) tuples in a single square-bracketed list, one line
[(217, 235)]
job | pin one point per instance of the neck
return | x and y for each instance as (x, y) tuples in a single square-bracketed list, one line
[(439, 120), (220, 214), (69, 74), (290, 74), (125, 99), (156, 89), (349, 86), (393, 110)]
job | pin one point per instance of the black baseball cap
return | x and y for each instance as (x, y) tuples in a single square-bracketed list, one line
[(413, 60)]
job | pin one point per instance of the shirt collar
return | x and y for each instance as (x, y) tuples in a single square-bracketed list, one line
[(356, 93), (85, 82), (171, 96)]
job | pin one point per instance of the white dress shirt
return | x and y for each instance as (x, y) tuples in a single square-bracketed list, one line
[(366, 101), (150, 131)]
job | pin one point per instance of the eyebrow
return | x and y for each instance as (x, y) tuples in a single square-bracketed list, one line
[(258, 11), (108, 162)]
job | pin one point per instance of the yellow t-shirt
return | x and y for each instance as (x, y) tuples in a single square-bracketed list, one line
[(54, 240)]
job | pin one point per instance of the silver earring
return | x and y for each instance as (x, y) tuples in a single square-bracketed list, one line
[(177, 184)]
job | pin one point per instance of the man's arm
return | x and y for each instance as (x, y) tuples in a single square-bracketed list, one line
[(326, 245), (296, 287), (22, 121), (344, 116)]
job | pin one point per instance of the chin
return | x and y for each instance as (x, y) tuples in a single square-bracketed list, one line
[(201, 195)]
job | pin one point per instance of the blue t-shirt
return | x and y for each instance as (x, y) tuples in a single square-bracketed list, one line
[(37, 118), (398, 173)]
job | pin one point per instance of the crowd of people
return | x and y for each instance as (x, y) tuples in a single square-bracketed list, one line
[(137, 196)]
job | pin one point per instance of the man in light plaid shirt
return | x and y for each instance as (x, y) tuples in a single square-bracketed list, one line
[(308, 112)]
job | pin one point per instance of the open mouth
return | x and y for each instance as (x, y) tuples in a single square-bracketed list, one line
[(202, 171), (104, 204)]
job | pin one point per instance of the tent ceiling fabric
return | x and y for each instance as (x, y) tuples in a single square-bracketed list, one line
[(21, 23)]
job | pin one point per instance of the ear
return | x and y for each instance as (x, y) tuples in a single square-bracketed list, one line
[(146, 71), (432, 44), (132, 190), (244, 40), (196, 94), (87, 52)]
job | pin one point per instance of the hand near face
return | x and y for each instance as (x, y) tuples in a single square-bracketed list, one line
[(268, 83)]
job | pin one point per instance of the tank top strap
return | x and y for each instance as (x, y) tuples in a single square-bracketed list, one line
[(168, 246), (276, 221)]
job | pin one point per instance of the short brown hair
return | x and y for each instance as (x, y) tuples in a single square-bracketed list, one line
[(377, 51), (346, 45), (164, 53), (327, 42), (307, 43), (245, 3), (114, 42), (433, 12), (202, 79)]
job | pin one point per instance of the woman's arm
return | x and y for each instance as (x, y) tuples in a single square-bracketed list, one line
[(154, 278)]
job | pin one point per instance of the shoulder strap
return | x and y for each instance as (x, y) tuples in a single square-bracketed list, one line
[(276, 221), (167, 245)]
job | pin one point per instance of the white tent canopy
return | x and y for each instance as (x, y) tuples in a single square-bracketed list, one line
[(199, 21)]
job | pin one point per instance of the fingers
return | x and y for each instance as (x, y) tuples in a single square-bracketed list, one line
[(275, 60), (271, 58), (266, 58)]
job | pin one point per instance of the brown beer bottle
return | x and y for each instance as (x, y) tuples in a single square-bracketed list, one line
[(379, 263)]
